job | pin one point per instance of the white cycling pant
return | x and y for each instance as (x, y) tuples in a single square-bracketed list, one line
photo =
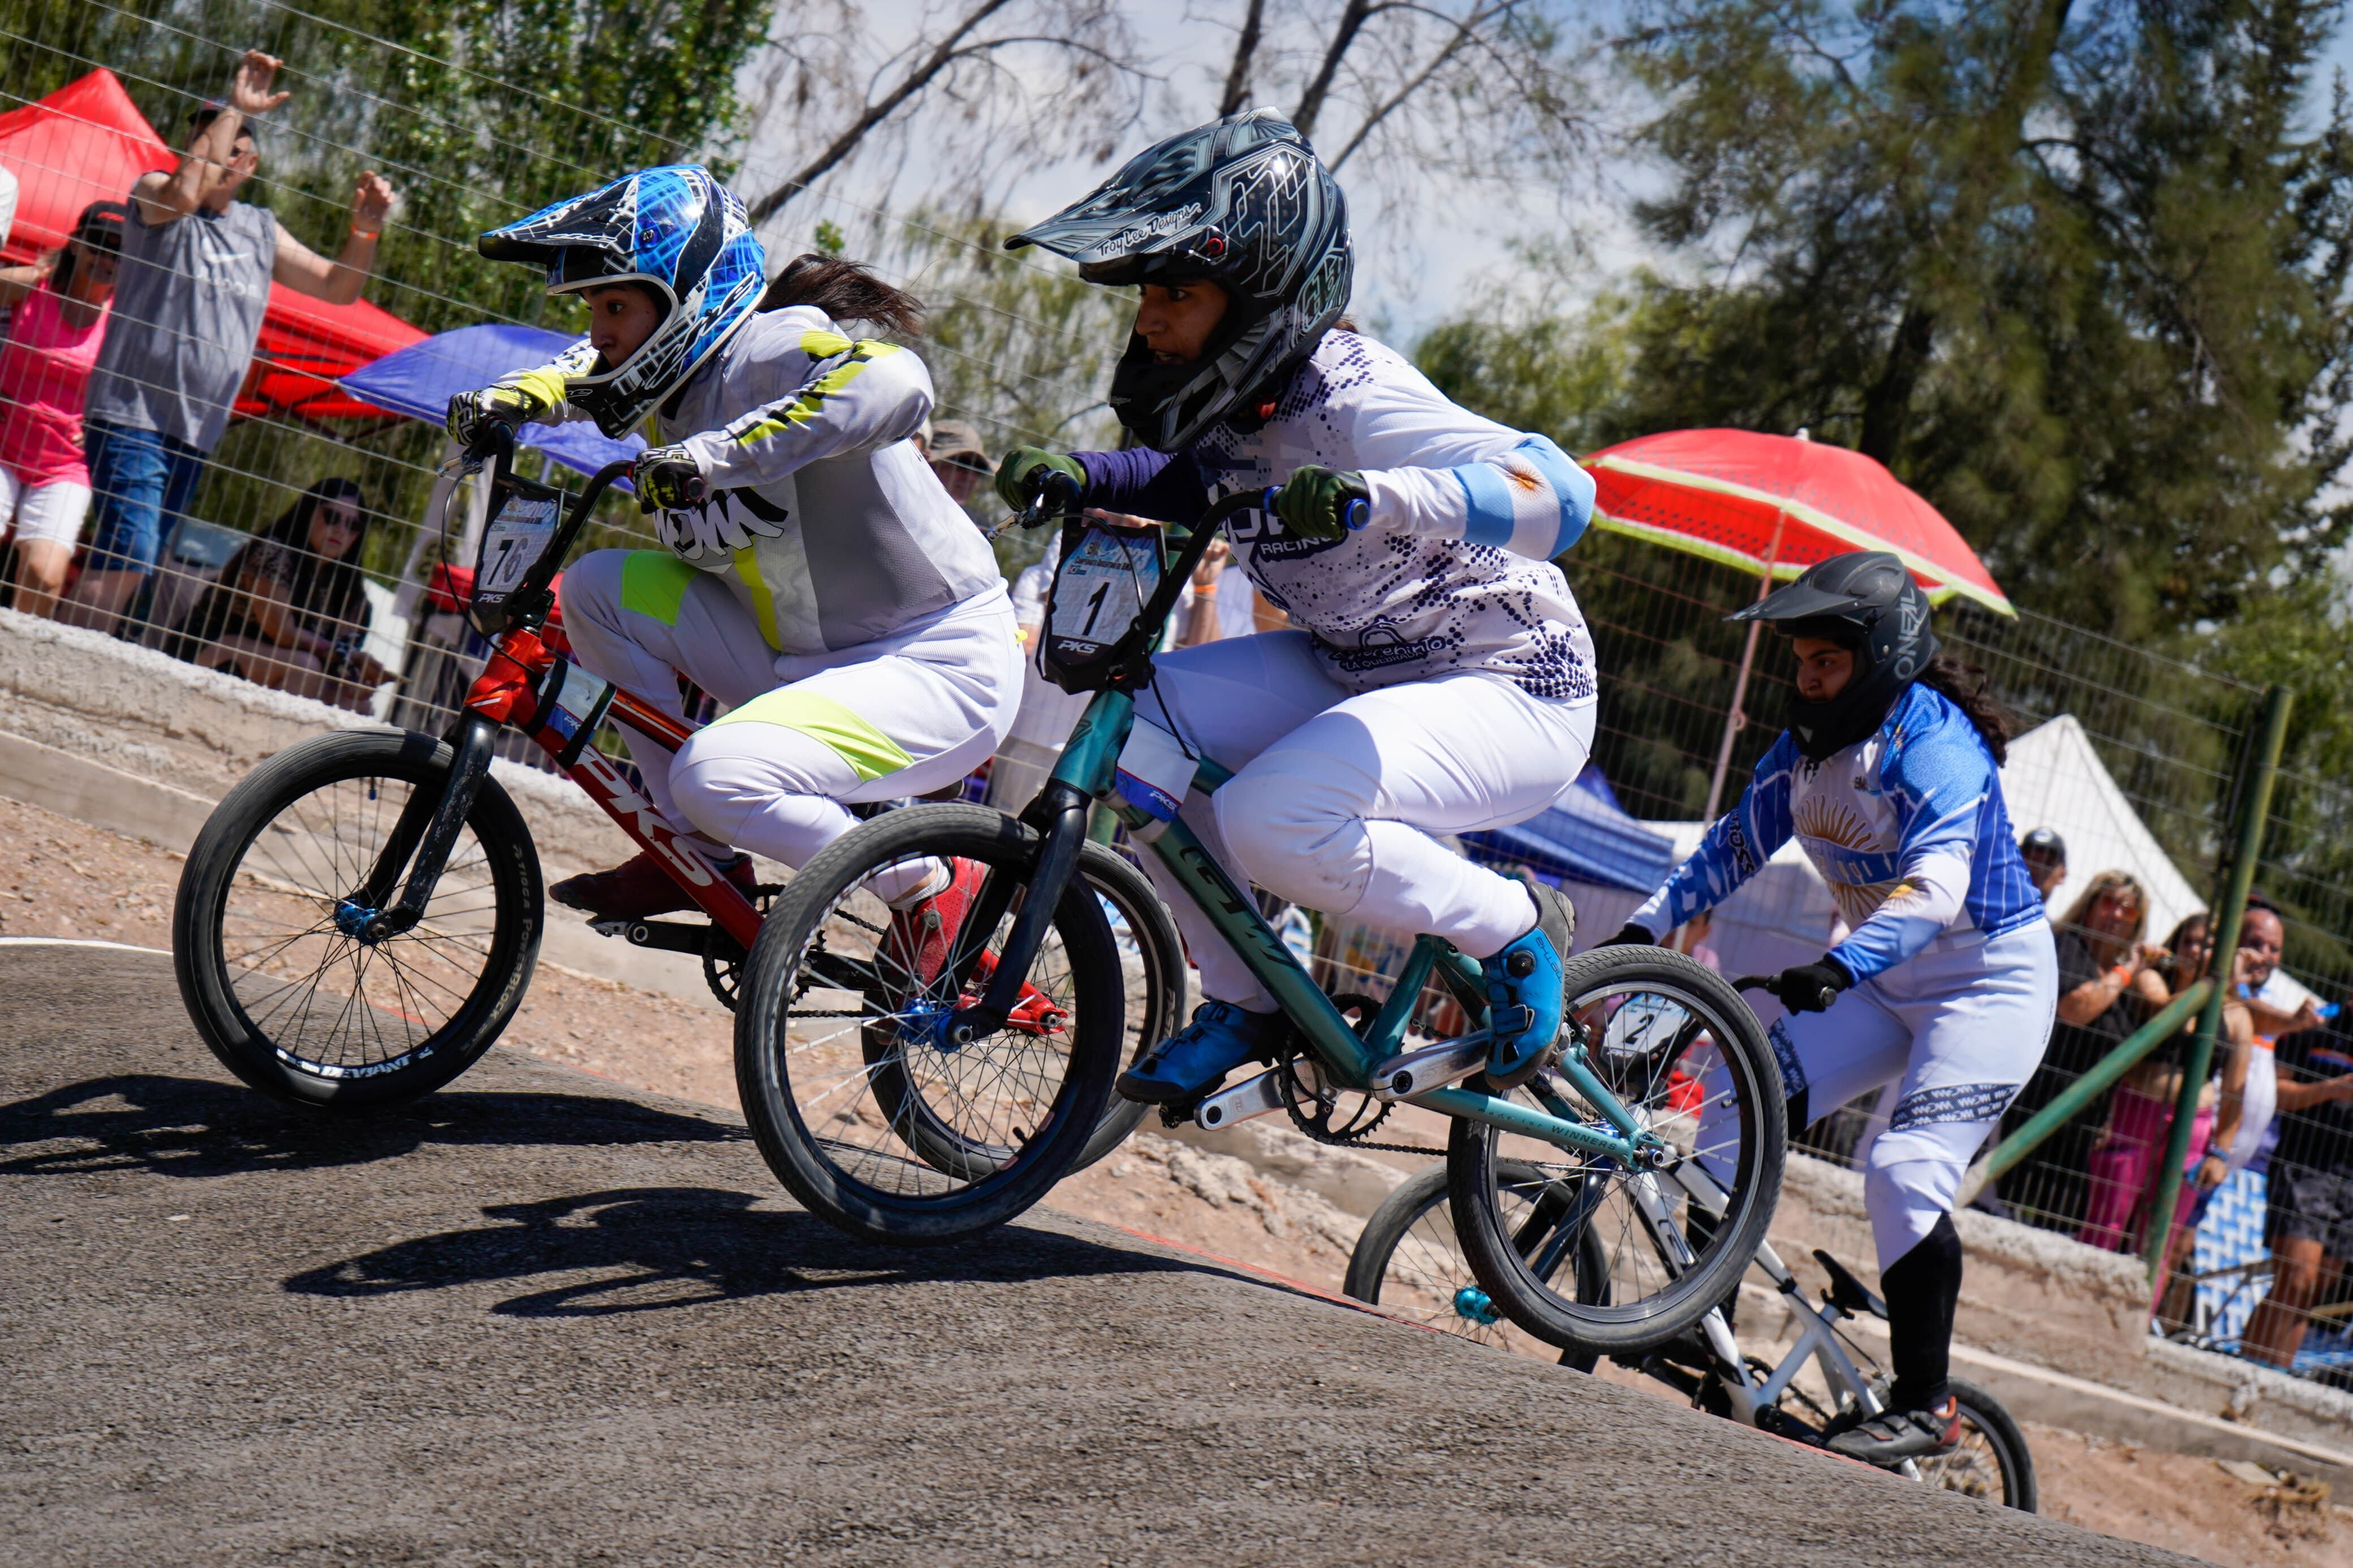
[(804, 734), (1958, 1029), (1336, 796)]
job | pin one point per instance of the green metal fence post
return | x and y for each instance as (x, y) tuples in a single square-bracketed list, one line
[(2255, 803)]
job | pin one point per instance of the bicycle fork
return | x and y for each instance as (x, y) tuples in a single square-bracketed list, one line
[(427, 829)]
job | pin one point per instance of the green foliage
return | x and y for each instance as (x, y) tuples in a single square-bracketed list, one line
[(552, 97), (828, 237), (477, 111), (2074, 274)]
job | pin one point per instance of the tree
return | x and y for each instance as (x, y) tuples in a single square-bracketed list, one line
[(1438, 95), (2072, 273)]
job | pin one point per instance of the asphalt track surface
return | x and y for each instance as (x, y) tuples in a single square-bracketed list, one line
[(542, 1319)]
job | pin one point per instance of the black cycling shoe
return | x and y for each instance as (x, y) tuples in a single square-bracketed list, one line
[(1893, 1437)]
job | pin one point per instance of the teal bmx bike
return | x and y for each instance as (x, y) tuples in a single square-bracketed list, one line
[(904, 1102)]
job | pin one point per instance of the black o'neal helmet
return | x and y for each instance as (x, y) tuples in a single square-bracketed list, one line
[(1244, 202), (1864, 601)]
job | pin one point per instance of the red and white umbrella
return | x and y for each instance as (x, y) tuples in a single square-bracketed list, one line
[(1776, 505), (1779, 503)]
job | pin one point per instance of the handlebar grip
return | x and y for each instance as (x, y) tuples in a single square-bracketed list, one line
[(1755, 983), (1053, 495), (1357, 513)]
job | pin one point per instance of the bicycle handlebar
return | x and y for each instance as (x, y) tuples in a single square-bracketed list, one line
[(1770, 985)]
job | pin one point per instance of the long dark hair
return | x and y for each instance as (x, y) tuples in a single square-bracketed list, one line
[(847, 291), (1964, 685), (320, 589)]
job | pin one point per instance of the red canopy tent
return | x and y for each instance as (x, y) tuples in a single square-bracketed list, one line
[(87, 142)]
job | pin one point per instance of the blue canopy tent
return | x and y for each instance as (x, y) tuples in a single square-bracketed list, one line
[(420, 379), (1584, 837)]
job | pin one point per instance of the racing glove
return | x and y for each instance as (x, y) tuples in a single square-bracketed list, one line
[(1320, 503), (471, 414), (1025, 468), (668, 478), (1811, 987)]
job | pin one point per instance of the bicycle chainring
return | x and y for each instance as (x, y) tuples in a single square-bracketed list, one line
[(723, 961), (1318, 1112)]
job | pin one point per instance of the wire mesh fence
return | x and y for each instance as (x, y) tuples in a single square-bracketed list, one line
[(476, 113)]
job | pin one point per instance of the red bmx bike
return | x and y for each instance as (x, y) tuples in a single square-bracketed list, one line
[(360, 917)]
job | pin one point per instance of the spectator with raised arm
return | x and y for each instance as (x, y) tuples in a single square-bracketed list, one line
[(192, 286)]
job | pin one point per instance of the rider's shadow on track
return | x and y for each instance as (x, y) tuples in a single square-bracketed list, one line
[(659, 1248), (194, 1127)]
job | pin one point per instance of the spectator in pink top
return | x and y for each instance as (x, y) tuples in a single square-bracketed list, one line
[(60, 305)]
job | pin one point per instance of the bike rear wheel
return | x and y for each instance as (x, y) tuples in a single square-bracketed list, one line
[(1674, 1044), (1408, 1263), (860, 1105), (267, 929), (1992, 1462)]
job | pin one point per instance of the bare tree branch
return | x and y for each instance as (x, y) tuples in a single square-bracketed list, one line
[(1236, 91), (915, 81), (1311, 102)]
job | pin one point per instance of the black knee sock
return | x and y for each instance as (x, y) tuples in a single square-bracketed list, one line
[(1922, 1288)]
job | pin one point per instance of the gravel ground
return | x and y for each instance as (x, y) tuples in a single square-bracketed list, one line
[(542, 1320)]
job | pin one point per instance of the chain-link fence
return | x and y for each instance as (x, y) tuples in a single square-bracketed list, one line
[(220, 544), (258, 512)]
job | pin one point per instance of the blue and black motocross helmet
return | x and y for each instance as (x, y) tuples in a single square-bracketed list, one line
[(675, 229), (1244, 202)]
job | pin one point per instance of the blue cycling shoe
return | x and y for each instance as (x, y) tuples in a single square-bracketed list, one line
[(1523, 993), (1198, 1056)]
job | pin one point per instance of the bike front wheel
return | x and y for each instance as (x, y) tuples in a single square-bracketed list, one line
[(863, 1107), (267, 931), (1680, 1051)]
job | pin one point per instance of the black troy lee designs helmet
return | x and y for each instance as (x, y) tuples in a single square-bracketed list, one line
[(1864, 601), (1244, 203)]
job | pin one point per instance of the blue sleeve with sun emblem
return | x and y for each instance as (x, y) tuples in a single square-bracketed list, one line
[(1957, 865), (1735, 849)]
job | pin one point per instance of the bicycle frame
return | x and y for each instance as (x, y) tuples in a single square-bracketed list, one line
[(1086, 772), (559, 706)]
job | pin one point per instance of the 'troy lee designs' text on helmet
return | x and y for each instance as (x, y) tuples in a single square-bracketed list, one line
[(1244, 202), (674, 228)]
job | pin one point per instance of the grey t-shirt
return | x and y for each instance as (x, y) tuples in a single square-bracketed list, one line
[(188, 303)]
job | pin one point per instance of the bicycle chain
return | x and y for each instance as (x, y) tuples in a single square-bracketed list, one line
[(1296, 1091)]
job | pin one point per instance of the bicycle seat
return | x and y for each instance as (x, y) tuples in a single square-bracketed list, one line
[(1847, 1292)]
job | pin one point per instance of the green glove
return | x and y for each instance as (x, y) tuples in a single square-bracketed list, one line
[(1317, 503), (1018, 475)]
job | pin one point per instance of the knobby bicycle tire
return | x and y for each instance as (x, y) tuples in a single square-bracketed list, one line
[(1632, 1320), (218, 987)]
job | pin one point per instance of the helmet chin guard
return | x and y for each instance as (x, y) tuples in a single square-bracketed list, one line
[(1866, 602), (1242, 203), (675, 230)]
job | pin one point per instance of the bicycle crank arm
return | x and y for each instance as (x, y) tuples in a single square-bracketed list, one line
[(666, 936), (473, 740), (1434, 1066), (1251, 1098)]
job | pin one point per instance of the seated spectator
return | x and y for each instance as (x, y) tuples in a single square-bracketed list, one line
[(197, 265), (289, 610), (953, 449), (2045, 853), (2122, 1165), (59, 315), (2309, 1225)]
